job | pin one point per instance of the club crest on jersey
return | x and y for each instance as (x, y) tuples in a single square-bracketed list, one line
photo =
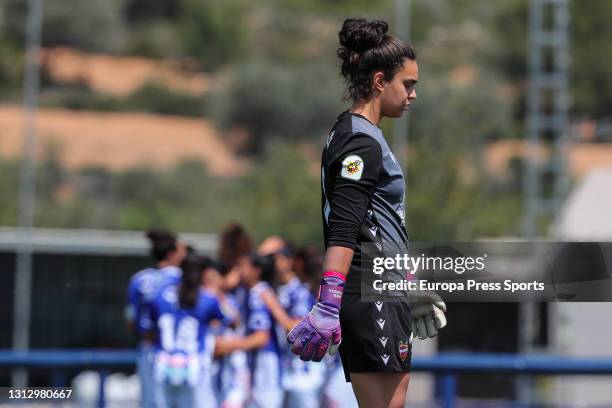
[(352, 167), (403, 350)]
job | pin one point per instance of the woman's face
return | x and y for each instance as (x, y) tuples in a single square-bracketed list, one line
[(232, 278), (397, 95), (248, 272), (212, 279), (176, 257)]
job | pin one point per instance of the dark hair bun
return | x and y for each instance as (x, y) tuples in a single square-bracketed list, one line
[(358, 34), (156, 235)]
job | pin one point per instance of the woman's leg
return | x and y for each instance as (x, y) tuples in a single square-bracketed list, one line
[(380, 390), (145, 373)]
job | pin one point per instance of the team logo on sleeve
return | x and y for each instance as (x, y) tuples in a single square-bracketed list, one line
[(352, 167), (403, 350)]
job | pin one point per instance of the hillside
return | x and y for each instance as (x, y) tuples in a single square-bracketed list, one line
[(122, 140), (118, 75)]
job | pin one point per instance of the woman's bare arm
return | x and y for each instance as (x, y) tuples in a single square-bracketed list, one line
[(338, 259), (278, 312)]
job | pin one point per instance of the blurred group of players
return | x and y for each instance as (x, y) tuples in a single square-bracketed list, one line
[(212, 331)]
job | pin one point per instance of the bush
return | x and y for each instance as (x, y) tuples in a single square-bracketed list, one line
[(213, 31), (11, 66), (92, 25), (159, 99), (278, 102), (149, 98)]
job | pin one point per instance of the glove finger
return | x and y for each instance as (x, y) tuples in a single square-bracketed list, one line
[(311, 347), (335, 342), (321, 350), (421, 328), (440, 318), (440, 305), (302, 342), (337, 336), (333, 349), (431, 326), (296, 332)]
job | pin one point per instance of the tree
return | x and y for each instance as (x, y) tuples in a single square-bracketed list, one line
[(213, 31), (275, 102)]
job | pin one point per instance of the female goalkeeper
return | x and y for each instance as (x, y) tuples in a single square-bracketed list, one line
[(363, 206)]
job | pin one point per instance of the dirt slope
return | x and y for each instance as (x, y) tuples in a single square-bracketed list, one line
[(118, 75), (122, 140)]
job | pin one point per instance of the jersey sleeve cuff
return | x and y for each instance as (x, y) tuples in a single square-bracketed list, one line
[(345, 244)]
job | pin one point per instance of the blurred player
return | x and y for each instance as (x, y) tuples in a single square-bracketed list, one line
[(302, 380), (234, 243), (260, 338), (230, 373), (363, 202), (183, 313), (143, 288), (308, 265)]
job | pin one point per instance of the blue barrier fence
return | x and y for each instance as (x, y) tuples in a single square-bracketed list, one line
[(444, 365)]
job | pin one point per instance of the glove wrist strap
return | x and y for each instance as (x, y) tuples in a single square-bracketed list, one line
[(334, 274), (332, 288)]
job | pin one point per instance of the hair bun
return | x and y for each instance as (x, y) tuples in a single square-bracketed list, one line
[(358, 34), (156, 235), (153, 234)]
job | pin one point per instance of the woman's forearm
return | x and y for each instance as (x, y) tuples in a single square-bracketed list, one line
[(279, 314), (338, 259)]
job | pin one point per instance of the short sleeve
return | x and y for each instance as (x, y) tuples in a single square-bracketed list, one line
[(133, 301), (222, 312), (259, 317), (302, 303)]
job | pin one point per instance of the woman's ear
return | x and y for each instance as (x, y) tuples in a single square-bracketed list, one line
[(378, 81)]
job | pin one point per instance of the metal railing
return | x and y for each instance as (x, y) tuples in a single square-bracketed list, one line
[(444, 365)]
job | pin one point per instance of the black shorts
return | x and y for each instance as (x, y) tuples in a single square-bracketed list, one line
[(376, 336)]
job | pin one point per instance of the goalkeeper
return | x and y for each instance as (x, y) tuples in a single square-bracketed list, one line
[(363, 202)]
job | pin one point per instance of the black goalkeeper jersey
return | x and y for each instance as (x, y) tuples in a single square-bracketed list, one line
[(363, 193)]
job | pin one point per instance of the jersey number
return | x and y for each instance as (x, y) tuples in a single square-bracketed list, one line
[(181, 337)]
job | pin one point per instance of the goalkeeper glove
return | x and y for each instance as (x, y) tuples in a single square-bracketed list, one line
[(427, 313), (319, 330)]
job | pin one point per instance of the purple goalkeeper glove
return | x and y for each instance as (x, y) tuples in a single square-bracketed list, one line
[(319, 330)]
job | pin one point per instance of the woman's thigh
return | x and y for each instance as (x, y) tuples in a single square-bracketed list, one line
[(380, 389)]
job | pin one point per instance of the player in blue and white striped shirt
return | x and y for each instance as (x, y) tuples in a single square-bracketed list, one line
[(143, 288), (183, 314)]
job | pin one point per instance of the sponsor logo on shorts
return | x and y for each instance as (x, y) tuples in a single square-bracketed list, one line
[(381, 323), (403, 349), (383, 341), (379, 305), (385, 358)]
